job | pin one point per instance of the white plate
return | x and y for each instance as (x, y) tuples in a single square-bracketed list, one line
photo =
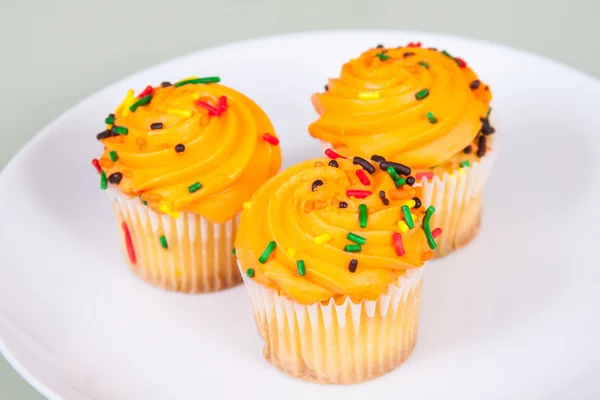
[(513, 316)]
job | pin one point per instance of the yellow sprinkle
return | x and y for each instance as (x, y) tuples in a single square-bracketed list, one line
[(128, 97), (369, 95), (324, 238), (461, 171), (410, 203), (181, 113), (188, 78), (292, 252), (413, 216), (403, 227), (247, 205), (167, 210), (196, 96)]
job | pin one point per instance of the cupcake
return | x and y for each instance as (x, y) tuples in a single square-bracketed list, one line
[(179, 161), (331, 253), (423, 108)]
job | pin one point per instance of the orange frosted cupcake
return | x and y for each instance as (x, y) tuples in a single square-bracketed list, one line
[(331, 253), (179, 161), (425, 109)]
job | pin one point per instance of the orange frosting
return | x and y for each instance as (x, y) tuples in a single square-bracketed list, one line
[(372, 107), (289, 212), (226, 154)]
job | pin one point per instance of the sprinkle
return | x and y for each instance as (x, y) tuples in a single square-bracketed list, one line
[(194, 187), (399, 182), (481, 146), (129, 243), (109, 120), (113, 156), (128, 99), (212, 110), (316, 184), (364, 163), (343, 204), (486, 128), (424, 64), (379, 46), (399, 194), (397, 238), (382, 194), (326, 88), (156, 125), (210, 79), (427, 229), (233, 251), (382, 56), (362, 177), (148, 90), (392, 172), (468, 149), (301, 267), (359, 194), (416, 44), (268, 250), (356, 238), (436, 232), (332, 154), (165, 84), (475, 84), (421, 94), (488, 113), (246, 205), (431, 118), (353, 265), (362, 215), (322, 239), (163, 242), (422, 175), (144, 202), (369, 95), (408, 216), (180, 148), (271, 139), (169, 211), (250, 273), (115, 178), (103, 181), (403, 226), (141, 102), (352, 248), (410, 180), (465, 164), (291, 252), (427, 255), (400, 168), (121, 130), (417, 202), (444, 52), (410, 203), (333, 164), (105, 134), (179, 112), (408, 54), (377, 159), (385, 201), (96, 165), (223, 103), (461, 63)]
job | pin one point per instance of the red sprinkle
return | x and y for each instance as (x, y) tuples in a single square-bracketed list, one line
[(411, 44), (96, 164), (363, 177), (461, 63), (332, 154), (421, 175), (149, 89), (436, 232), (398, 244), (222, 103), (212, 110), (129, 244), (359, 194), (271, 139)]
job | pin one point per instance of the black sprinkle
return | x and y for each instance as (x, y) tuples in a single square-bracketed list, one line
[(353, 264), (468, 149), (410, 180), (156, 125), (432, 48), (400, 168), (487, 129), (481, 146), (316, 184), (364, 163), (106, 134), (475, 84), (165, 84), (333, 164), (386, 201), (484, 120), (487, 88), (377, 158), (408, 54), (380, 46), (382, 194), (115, 178), (343, 204), (417, 202), (111, 115), (180, 148), (326, 88)]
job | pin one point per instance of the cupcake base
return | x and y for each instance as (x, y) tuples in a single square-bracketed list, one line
[(198, 255), (339, 342)]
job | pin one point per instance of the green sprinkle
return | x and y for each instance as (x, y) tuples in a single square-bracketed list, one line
[(362, 215), (210, 79), (265, 255), (407, 217), (144, 202), (427, 228), (489, 112), (444, 52), (301, 267), (233, 251), (399, 182), (421, 94), (250, 273), (121, 130), (141, 102), (424, 64), (163, 242), (109, 120), (103, 181), (382, 57), (465, 164), (113, 156), (195, 187), (352, 248), (392, 172), (356, 238), (431, 117)]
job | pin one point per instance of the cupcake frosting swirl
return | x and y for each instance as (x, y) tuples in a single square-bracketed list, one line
[(418, 105), (308, 212), (193, 147)]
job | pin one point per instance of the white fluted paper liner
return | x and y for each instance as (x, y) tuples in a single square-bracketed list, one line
[(338, 343), (198, 258)]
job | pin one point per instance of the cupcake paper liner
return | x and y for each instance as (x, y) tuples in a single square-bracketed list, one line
[(339, 342), (198, 257)]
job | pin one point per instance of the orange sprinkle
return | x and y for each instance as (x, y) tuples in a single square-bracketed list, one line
[(318, 164), (309, 205), (320, 204), (399, 195), (141, 142), (428, 255), (105, 163)]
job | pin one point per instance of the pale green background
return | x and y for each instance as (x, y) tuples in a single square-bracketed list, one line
[(56, 52)]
